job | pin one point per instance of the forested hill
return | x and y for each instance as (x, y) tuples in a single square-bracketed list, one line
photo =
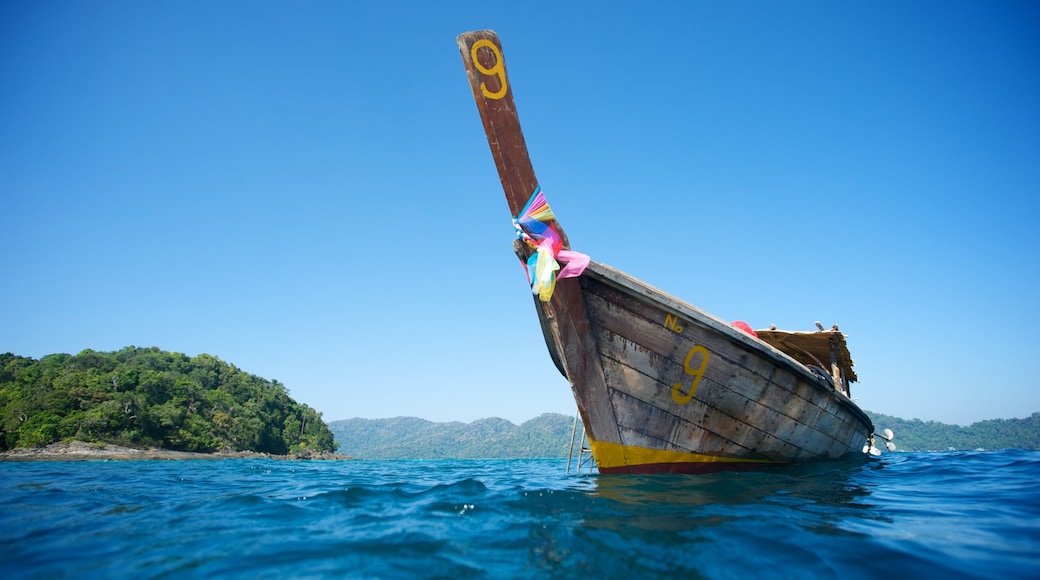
[(990, 435), (146, 397), (548, 435)]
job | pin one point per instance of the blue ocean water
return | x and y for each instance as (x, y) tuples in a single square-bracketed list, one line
[(951, 514)]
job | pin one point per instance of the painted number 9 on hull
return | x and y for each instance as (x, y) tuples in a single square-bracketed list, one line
[(697, 374), (496, 70)]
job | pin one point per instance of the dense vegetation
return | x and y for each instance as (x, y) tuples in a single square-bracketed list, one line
[(547, 435), (993, 434), (146, 397)]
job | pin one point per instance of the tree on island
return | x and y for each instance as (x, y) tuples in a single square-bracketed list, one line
[(146, 397)]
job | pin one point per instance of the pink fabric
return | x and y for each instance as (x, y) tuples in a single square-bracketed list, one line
[(574, 263), (534, 225)]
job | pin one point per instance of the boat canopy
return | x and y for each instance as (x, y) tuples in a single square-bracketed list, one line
[(818, 348)]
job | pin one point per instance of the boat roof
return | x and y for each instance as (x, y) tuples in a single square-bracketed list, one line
[(812, 347)]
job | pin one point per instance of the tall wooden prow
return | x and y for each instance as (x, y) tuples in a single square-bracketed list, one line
[(564, 318)]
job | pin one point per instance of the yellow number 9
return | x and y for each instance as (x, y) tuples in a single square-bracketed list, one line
[(498, 69), (696, 373)]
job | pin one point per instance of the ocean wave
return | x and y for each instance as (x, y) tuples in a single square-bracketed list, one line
[(958, 514)]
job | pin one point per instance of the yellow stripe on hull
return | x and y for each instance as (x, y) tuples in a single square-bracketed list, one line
[(614, 456)]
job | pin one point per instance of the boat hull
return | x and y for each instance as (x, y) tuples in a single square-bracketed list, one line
[(663, 387)]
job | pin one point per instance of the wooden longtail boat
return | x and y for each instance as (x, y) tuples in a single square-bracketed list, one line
[(660, 385)]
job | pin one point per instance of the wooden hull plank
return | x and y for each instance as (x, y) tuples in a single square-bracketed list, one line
[(746, 406)]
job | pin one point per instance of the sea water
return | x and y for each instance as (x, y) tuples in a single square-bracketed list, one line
[(905, 515)]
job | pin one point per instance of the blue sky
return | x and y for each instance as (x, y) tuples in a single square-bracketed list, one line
[(305, 191)]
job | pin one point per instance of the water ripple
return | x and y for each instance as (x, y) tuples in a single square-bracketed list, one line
[(964, 514)]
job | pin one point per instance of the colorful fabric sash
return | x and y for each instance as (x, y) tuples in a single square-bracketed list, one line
[(534, 226)]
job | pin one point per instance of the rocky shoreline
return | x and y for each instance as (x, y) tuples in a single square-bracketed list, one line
[(80, 451)]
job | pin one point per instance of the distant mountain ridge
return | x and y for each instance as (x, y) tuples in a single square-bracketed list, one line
[(549, 435), (989, 435)]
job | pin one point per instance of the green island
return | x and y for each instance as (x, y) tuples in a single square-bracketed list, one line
[(138, 399), (150, 398)]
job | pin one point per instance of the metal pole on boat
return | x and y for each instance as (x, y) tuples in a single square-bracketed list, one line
[(570, 448), (591, 460)]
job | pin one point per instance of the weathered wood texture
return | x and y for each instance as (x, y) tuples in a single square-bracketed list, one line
[(752, 402)]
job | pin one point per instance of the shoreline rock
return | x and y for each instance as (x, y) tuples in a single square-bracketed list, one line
[(80, 451)]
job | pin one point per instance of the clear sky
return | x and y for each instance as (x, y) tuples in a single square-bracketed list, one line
[(304, 189)]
